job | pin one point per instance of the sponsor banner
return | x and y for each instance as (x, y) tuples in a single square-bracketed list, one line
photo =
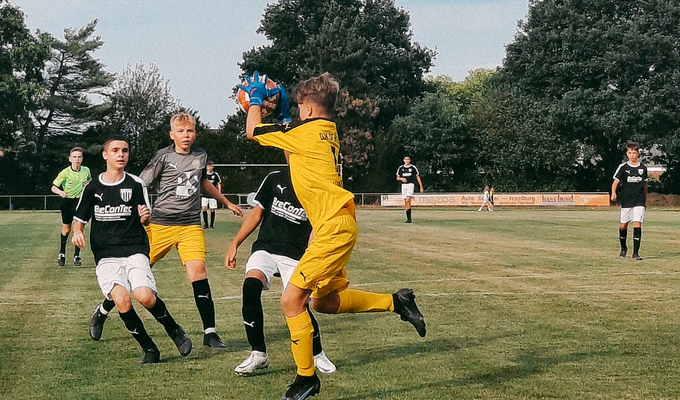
[(500, 199)]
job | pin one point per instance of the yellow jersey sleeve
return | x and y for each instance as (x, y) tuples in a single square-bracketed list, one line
[(314, 148)]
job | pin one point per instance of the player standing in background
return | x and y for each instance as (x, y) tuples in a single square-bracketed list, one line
[(631, 178), (281, 242), (408, 175), (179, 172), (69, 185), (209, 202), (486, 200), (314, 148), (118, 205)]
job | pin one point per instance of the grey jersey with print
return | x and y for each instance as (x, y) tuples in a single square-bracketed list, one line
[(177, 177)]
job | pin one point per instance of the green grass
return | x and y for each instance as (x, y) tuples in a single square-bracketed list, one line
[(520, 304)]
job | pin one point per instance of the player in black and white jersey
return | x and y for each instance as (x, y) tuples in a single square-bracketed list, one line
[(281, 242), (630, 179), (118, 205), (408, 175), (208, 202), (178, 172)]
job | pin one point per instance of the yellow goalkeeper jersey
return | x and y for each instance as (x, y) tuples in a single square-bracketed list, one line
[(314, 149)]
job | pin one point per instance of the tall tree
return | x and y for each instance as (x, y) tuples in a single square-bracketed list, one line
[(606, 69), (140, 105), (366, 45), (436, 135), (72, 77), (22, 58)]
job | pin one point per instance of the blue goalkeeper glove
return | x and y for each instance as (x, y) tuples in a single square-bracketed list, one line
[(283, 108), (257, 88)]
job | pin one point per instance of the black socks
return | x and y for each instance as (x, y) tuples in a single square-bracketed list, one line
[(63, 239), (253, 316), (623, 235), (162, 315), (637, 238), (135, 326), (204, 303)]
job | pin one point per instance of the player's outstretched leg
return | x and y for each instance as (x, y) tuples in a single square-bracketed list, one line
[(405, 306)]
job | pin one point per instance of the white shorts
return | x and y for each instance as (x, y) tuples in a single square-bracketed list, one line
[(269, 264), (209, 202), (633, 214), (129, 272), (407, 190)]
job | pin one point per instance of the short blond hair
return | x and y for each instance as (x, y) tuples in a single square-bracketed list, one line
[(182, 117), (322, 90)]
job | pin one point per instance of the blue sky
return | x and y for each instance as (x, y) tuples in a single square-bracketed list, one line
[(198, 43)]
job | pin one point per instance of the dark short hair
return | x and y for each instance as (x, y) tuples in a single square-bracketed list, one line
[(209, 162), (633, 146), (113, 139)]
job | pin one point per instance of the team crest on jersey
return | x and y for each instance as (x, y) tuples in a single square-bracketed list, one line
[(640, 171), (126, 194), (196, 163)]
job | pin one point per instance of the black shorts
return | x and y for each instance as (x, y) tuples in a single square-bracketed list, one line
[(68, 210)]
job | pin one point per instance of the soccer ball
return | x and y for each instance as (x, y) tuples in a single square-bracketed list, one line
[(268, 105)]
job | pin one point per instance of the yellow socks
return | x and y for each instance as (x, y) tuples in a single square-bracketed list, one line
[(356, 301), (301, 332)]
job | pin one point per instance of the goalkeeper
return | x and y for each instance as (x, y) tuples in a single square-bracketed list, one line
[(314, 147)]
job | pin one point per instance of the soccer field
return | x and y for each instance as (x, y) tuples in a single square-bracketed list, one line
[(519, 304)]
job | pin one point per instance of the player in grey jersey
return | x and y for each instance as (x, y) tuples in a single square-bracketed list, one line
[(179, 174)]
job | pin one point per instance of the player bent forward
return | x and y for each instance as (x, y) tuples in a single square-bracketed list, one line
[(281, 241), (314, 148), (118, 205)]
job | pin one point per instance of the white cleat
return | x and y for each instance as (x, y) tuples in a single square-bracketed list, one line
[(256, 360), (323, 364)]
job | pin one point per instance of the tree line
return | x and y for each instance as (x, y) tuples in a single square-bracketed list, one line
[(579, 80)]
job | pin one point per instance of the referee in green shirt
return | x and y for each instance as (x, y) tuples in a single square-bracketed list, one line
[(69, 185)]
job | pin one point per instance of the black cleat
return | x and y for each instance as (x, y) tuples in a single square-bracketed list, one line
[(636, 257), (405, 305), (151, 356), (77, 261), (181, 340), (303, 387), (61, 259), (97, 323), (622, 254), (205, 226), (213, 340), (408, 221)]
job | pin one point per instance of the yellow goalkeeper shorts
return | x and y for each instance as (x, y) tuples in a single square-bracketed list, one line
[(322, 267), (188, 240)]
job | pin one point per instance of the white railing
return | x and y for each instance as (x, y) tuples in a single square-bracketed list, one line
[(53, 202)]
